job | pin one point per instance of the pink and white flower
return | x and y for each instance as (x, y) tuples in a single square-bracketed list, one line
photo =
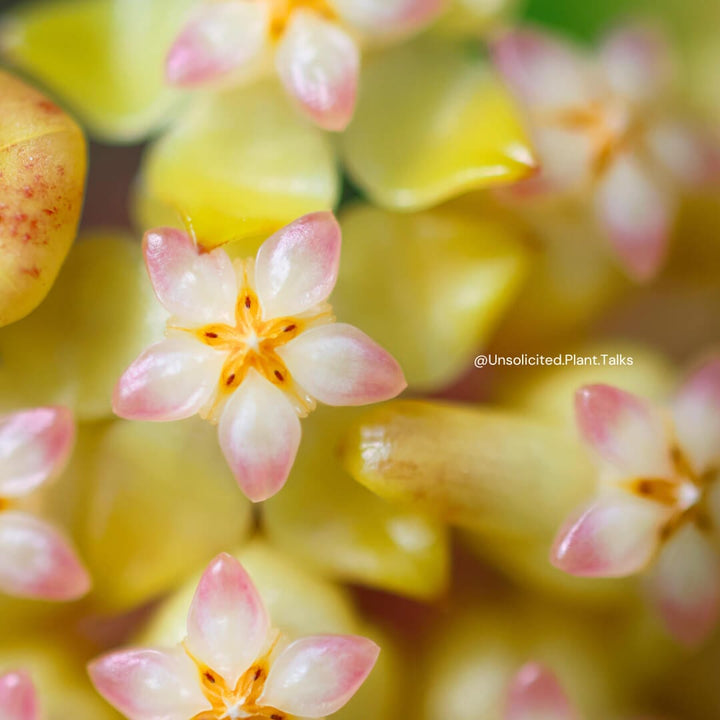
[(603, 130), (536, 694), (314, 44), (251, 345), (18, 700), (658, 504), (232, 664), (36, 560)]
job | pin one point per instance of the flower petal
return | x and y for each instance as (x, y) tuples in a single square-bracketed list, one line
[(171, 380), (637, 62), (18, 700), (685, 584), (624, 430), (150, 684), (614, 537), (340, 365), (697, 415), (387, 17), (297, 267), (535, 694), (317, 675), (34, 446), (219, 38), (318, 64), (691, 154), (37, 561), (259, 434), (227, 624), (543, 71), (637, 212), (197, 287)]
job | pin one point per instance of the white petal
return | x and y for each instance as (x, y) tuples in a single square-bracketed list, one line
[(150, 684), (535, 694), (340, 365), (316, 676), (227, 624), (685, 584), (388, 17), (318, 63), (637, 62), (34, 447), (259, 434), (171, 380), (197, 287), (697, 416), (297, 267), (565, 158), (37, 561), (219, 38), (614, 537), (625, 431), (543, 71), (637, 209)]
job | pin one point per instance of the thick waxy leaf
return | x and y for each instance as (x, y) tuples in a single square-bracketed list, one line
[(99, 316), (429, 287), (42, 180), (324, 519), (414, 143), (239, 164), (112, 73)]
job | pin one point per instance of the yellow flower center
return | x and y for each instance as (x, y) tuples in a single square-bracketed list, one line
[(282, 10), (253, 342), (240, 701), (686, 493)]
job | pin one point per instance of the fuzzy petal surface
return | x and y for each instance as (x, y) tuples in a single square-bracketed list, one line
[(318, 63), (171, 380), (18, 700), (340, 365), (198, 288), (535, 694), (227, 624), (259, 434), (37, 561), (150, 684), (388, 17), (624, 430), (317, 675), (685, 585), (297, 267), (637, 211), (616, 536), (218, 38), (34, 447)]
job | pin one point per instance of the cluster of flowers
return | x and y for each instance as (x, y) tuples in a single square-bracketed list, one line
[(543, 139)]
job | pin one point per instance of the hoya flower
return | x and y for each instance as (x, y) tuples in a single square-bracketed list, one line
[(658, 504), (232, 664), (251, 345), (313, 42), (18, 700), (603, 131), (536, 694), (35, 559)]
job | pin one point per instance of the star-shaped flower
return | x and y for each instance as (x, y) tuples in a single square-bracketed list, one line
[(232, 664), (35, 559), (251, 345), (604, 132), (658, 501), (18, 700), (313, 43)]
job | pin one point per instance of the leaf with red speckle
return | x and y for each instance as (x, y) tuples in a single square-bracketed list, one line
[(42, 180)]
